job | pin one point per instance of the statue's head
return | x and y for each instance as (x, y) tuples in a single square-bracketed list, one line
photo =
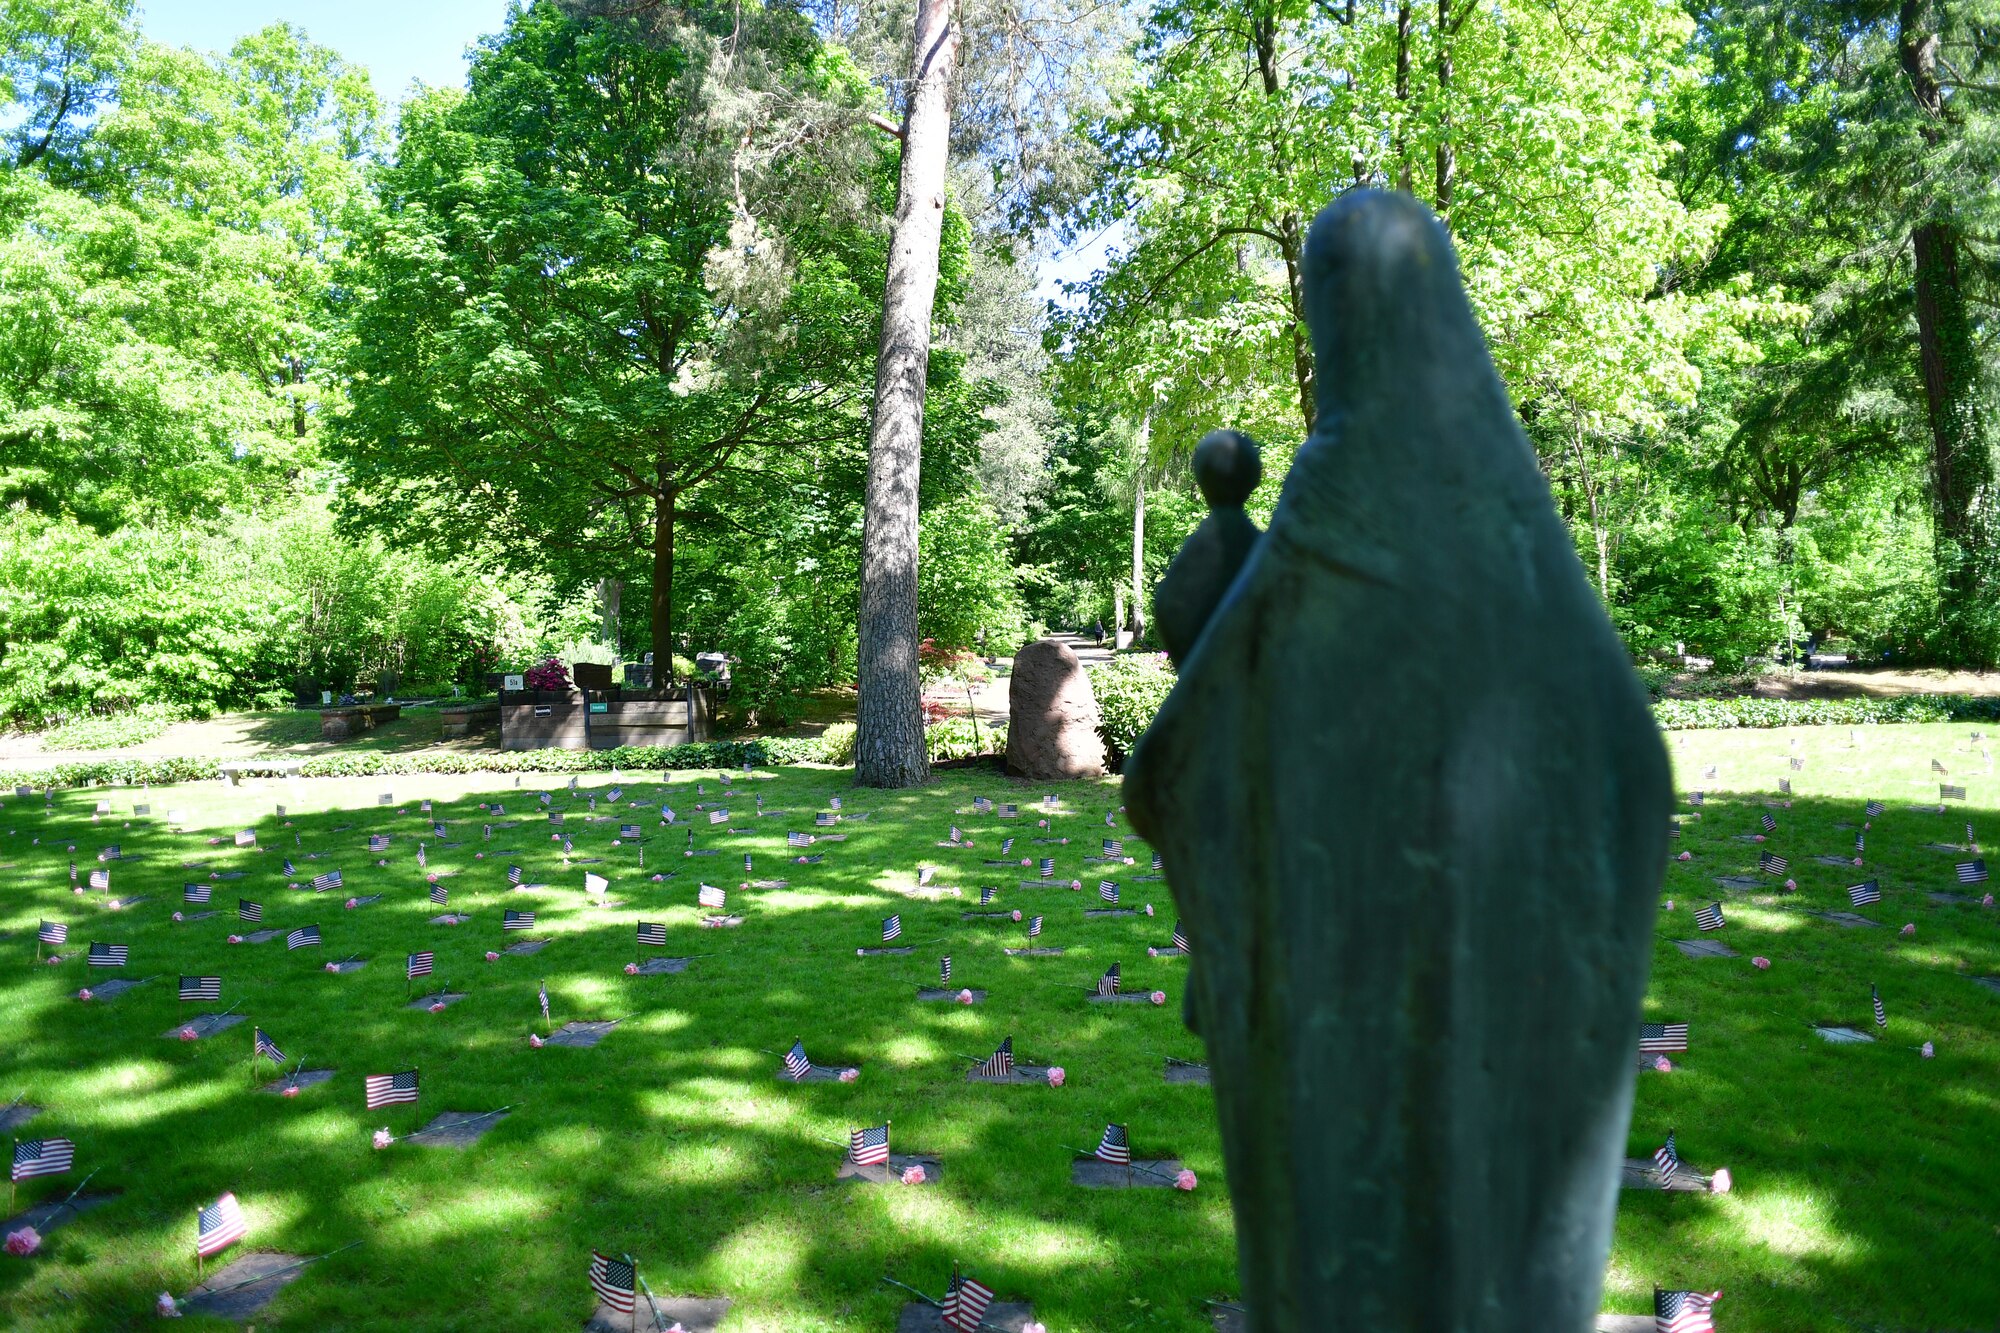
[(1227, 467)]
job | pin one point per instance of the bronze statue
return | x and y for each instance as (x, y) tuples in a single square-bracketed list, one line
[(1414, 811)]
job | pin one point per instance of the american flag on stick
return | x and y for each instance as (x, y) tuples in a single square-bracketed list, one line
[(986, 893), (1866, 892), (1048, 867), (107, 955), (514, 876), (710, 896), (378, 842), (1115, 1146), (1769, 824), (1107, 890), (614, 1281), (517, 921), (944, 970), (1108, 983), (892, 928), (1684, 1311), (1662, 1038), (594, 882), (797, 1066), (303, 938), (247, 838), (965, 1303), (249, 911), (43, 1157), (868, 1147), (1972, 872), (1114, 847), (53, 932), (1180, 937), (390, 1089), (100, 879), (1000, 1063), (201, 989), (111, 853), (418, 965), (218, 1226), (1873, 809), (329, 880), (1667, 1160), (1772, 864), (1881, 1014), (653, 933), (194, 893), (1709, 917), (440, 895), (264, 1046), (543, 994), (1034, 926)]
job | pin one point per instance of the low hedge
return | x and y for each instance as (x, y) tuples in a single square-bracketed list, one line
[(707, 754), (1723, 714)]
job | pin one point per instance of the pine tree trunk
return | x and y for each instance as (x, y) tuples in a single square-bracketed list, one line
[(889, 735), (1961, 453), (663, 589)]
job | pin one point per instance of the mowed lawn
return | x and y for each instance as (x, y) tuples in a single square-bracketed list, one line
[(1864, 1175)]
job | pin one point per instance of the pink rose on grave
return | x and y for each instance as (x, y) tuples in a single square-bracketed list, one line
[(914, 1175), (691, 854), (1076, 884), (1867, 824), (166, 1307), (352, 903), (177, 916), (54, 958), (438, 1008), (451, 920), (431, 878), (72, 846), (187, 1034), (1158, 997), (964, 997), (1761, 963), (534, 1042), (1685, 856), (78, 888), (849, 1075), (215, 874), (1987, 901), (24, 1242), (1130, 862), (1720, 1183), (1024, 860), (1670, 904), (383, 1138), (1017, 914), (1057, 1077), (84, 994), (1791, 885), (631, 969), (658, 878), (1664, 1065), (479, 856), (1034, 1328), (492, 957), (617, 843), (1065, 842), (290, 1090), (1149, 909), (1756, 837), (1041, 823), (1857, 860), (1185, 1180), (555, 837), (333, 967), (1909, 929), (1927, 1051), (1940, 808)]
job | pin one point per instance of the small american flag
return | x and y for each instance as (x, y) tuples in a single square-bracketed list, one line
[(1000, 1063), (1972, 872), (1881, 1014), (1937, 767), (1797, 765), (944, 970), (1049, 801), (517, 921), (1107, 890), (1785, 784), (629, 832), (1873, 809), (437, 831), (1006, 846), (249, 911), (423, 857), (100, 879), (440, 895), (111, 853), (833, 802), (613, 1280), (868, 1147), (718, 816), (1180, 937), (1709, 917), (391, 1089), (1770, 824), (892, 928), (594, 882), (1684, 1311), (1866, 892), (514, 876), (1009, 811), (615, 794), (53, 932), (965, 1304), (330, 880), (1697, 798), (386, 798), (986, 893), (418, 965), (288, 867), (710, 896), (107, 955), (1108, 983), (247, 838), (555, 816), (1771, 863), (43, 1157), (378, 842), (982, 805), (1156, 860), (798, 839), (1048, 867), (1115, 1146), (302, 938), (653, 932), (543, 995), (201, 988), (1114, 847), (264, 1046), (924, 877), (797, 1066), (1970, 840), (1711, 771), (218, 1226), (1860, 843), (825, 821), (956, 836), (1034, 926), (1667, 1159), (1662, 1038), (1946, 793)]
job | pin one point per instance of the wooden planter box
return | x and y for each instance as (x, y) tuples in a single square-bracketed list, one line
[(536, 720)]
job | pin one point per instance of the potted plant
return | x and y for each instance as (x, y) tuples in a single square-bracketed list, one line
[(549, 681)]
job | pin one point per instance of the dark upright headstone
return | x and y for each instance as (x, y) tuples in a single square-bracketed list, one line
[(1420, 880)]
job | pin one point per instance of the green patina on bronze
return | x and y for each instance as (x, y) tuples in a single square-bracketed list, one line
[(1414, 812)]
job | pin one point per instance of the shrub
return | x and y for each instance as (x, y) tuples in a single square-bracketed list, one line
[(837, 743), (1693, 714), (1130, 689), (960, 738), (114, 731)]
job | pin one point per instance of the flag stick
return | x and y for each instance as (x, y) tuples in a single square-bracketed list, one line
[(265, 1277), (294, 1080), (659, 1320), (913, 1291), (481, 1116), (1185, 1064), (635, 1305), (1129, 1166)]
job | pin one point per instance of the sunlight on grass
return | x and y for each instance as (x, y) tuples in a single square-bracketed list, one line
[(1794, 1222)]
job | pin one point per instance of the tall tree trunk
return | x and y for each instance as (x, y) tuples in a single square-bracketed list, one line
[(610, 592), (1447, 155), (1291, 233), (1402, 140), (1138, 626), (663, 586), (889, 732)]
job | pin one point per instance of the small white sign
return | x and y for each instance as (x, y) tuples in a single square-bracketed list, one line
[(514, 682)]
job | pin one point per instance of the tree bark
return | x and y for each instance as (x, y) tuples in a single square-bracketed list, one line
[(1138, 626), (1447, 154), (889, 733), (663, 587)]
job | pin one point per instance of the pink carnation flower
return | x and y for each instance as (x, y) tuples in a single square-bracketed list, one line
[(236, 939), (1928, 1050), (1791, 885), (1065, 842), (534, 1042), (555, 837), (84, 994), (964, 997), (24, 1242), (492, 957), (631, 969), (333, 967), (479, 856), (187, 1034), (1057, 1077), (1076, 884), (438, 1008), (1720, 1183), (1664, 1065), (1670, 904), (1017, 914), (1149, 909), (1034, 1327), (1041, 823), (1761, 963), (1857, 860), (383, 1138), (431, 878), (1987, 901), (1185, 1181), (1685, 856), (914, 1175), (177, 916), (1158, 997), (54, 958), (1909, 928), (849, 1075), (291, 1090), (353, 902), (166, 1307), (1756, 837)]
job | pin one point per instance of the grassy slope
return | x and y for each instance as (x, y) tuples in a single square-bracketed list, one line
[(1864, 1175)]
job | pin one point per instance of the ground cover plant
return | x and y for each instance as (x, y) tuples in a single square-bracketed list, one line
[(1862, 1173)]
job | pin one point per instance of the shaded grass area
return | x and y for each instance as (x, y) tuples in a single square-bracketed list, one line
[(1864, 1175)]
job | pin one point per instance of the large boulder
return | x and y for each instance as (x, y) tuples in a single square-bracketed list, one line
[(1052, 716)]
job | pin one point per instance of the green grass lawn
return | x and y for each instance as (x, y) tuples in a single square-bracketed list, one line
[(1864, 1198)]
